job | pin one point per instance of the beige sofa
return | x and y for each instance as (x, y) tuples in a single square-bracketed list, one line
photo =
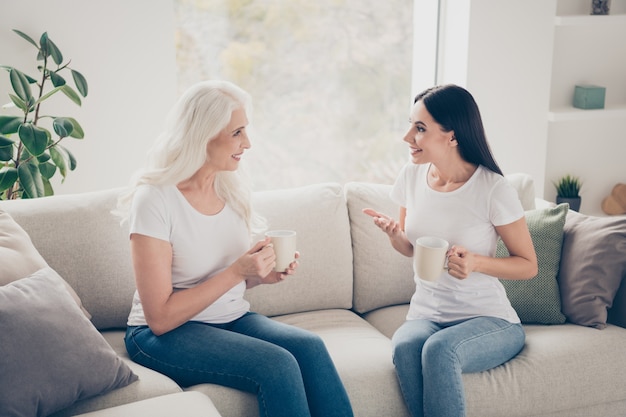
[(352, 289)]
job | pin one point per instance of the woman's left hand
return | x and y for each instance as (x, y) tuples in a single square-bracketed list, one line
[(273, 277), (461, 262)]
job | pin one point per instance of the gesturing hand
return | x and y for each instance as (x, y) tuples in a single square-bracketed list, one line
[(384, 222)]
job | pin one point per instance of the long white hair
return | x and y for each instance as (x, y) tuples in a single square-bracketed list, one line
[(200, 114)]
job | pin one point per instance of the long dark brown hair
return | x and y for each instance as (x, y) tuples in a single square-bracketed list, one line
[(454, 108)]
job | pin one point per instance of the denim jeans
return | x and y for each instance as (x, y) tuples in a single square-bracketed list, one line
[(430, 358), (287, 368)]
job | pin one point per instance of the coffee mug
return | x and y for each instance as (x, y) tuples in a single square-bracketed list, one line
[(429, 257), (284, 243)]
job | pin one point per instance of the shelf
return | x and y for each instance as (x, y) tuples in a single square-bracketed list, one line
[(590, 20), (571, 113)]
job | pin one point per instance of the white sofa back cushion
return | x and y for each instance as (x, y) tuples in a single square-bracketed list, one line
[(84, 243), (319, 216)]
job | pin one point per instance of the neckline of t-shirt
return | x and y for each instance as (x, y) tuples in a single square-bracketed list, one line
[(193, 209), (453, 192)]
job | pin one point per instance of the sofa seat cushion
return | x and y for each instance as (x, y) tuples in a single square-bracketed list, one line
[(593, 360), (361, 354), (553, 355), (188, 404), (150, 383)]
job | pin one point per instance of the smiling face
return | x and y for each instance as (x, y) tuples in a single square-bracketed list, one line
[(225, 150), (428, 142)]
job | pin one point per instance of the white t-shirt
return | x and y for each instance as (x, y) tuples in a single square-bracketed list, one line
[(466, 217), (202, 246)]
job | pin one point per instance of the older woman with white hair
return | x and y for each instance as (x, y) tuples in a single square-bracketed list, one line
[(190, 226)]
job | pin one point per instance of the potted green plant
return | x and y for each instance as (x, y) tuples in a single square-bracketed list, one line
[(568, 191), (30, 154)]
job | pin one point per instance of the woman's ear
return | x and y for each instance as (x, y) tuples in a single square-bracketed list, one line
[(452, 140)]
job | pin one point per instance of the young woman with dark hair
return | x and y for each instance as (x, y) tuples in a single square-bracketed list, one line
[(453, 189)]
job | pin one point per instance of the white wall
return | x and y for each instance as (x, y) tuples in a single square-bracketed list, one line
[(126, 51), (506, 48)]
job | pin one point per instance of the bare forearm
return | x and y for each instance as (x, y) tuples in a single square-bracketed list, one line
[(401, 243), (509, 268)]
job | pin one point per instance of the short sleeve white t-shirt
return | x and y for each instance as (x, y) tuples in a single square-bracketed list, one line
[(467, 217), (202, 246)]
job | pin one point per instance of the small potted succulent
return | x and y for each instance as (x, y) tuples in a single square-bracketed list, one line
[(568, 191)]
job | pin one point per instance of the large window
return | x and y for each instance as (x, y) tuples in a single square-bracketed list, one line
[(330, 81)]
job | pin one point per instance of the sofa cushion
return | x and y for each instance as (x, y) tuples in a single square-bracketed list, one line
[(150, 384), (66, 360), (593, 264), (324, 277), (525, 187), (382, 276), (361, 354), (538, 300), (20, 258), (188, 404), (81, 240)]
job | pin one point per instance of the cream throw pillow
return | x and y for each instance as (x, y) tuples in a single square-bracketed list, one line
[(19, 257)]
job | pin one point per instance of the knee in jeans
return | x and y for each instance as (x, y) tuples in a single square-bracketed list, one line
[(435, 349)]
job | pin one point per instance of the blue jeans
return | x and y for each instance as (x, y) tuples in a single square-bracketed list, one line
[(430, 358), (288, 368)]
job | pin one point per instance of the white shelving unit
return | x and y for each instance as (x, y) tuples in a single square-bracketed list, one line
[(571, 113), (619, 19), (590, 144)]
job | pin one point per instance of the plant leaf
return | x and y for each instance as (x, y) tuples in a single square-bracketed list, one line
[(30, 180), (47, 170), (70, 157), (6, 148), (69, 91), (81, 83), (44, 157), (20, 84), (57, 56), (59, 159), (19, 103), (56, 79), (47, 187), (43, 41), (9, 124), (77, 132), (4, 141), (8, 176), (48, 94), (63, 126), (34, 138), (25, 36)]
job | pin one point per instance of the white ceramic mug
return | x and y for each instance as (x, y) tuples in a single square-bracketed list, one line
[(429, 257), (284, 243)]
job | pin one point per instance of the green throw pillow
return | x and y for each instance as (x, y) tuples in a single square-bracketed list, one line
[(538, 300)]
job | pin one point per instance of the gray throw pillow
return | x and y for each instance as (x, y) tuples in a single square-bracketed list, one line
[(538, 300), (51, 355), (593, 264)]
